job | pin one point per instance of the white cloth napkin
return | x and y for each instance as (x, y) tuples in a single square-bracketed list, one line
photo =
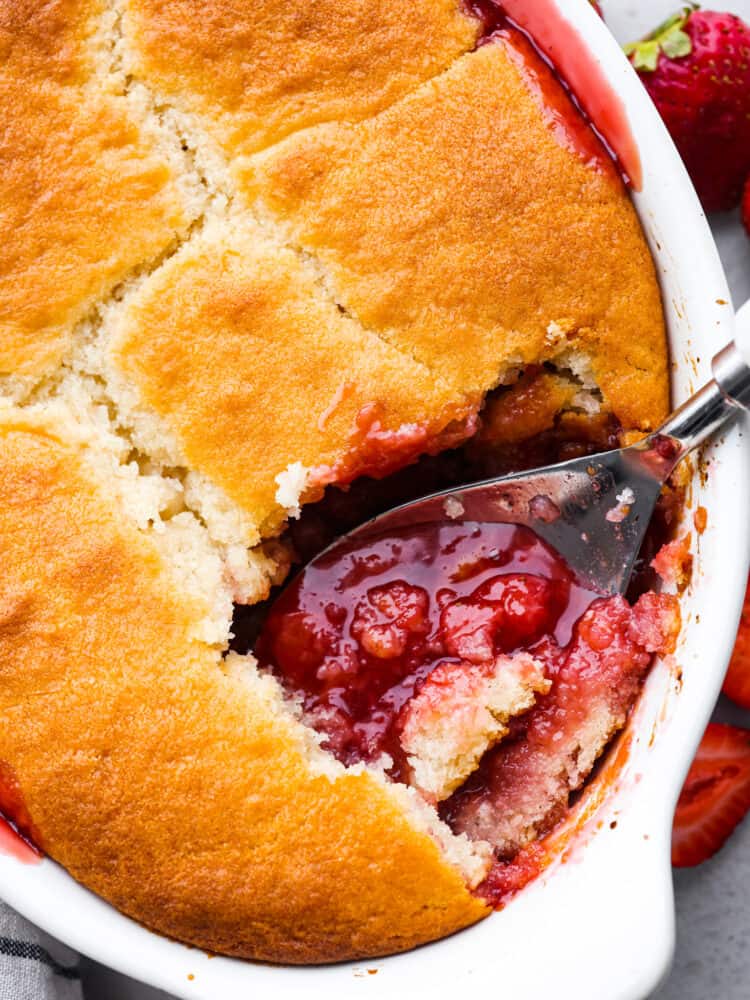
[(32, 965)]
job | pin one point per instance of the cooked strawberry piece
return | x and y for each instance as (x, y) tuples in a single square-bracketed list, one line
[(530, 606), (674, 562), (656, 622), (354, 640), (737, 680), (388, 617), (468, 629), (715, 796), (503, 613), (300, 643), (523, 786)]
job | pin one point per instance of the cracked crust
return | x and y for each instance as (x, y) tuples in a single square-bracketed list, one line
[(254, 72), (180, 779), (201, 807), (265, 325), (86, 196), (449, 250)]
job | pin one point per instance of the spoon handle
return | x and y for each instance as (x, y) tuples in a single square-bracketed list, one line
[(721, 399), (731, 366)]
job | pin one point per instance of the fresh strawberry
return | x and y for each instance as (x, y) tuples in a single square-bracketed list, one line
[(715, 796), (737, 681), (696, 67), (746, 206)]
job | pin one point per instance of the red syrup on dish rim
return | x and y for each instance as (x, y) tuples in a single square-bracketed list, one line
[(594, 102), (14, 845), (16, 827), (356, 636)]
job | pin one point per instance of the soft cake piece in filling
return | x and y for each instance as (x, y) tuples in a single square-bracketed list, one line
[(462, 227), (254, 72), (461, 710), (87, 196), (263, 384), (524, 785)]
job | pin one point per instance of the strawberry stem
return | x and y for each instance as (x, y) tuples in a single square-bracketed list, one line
[(670, 38)]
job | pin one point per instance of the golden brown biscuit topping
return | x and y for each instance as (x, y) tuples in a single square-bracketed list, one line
[(248, 251)]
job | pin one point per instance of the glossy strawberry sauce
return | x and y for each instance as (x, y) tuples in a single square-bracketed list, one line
[(593, 104), (356, 637)]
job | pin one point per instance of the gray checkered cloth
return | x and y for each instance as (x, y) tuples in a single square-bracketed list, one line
[(32, 965)]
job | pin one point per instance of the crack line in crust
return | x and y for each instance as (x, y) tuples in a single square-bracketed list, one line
[(198, 162), (194, 136)]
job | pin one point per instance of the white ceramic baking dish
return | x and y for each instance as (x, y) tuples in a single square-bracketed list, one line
[(601, 925)]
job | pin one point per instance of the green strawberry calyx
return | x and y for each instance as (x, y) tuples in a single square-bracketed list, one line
[(669, 38)]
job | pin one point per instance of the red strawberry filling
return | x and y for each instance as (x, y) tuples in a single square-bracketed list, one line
[(357, 638), (376, 451), (404, 645), (523, 786), (501, 614)]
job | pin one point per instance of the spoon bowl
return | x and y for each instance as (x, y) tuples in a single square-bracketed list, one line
[(594, 511)]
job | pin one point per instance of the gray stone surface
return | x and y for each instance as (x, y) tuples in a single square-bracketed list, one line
[(713, 902)]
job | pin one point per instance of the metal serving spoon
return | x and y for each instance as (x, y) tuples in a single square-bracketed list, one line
[(595, 510)]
